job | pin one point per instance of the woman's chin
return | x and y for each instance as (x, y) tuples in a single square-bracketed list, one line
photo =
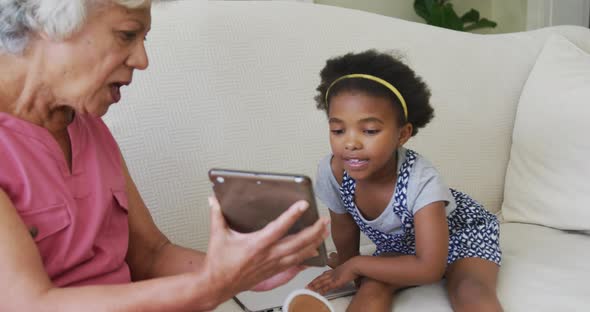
[(97, 111)]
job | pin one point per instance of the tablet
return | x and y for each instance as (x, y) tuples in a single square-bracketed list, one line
[(273, 300), (250, 200)]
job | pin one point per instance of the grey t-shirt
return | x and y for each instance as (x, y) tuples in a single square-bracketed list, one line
[(425, 186)]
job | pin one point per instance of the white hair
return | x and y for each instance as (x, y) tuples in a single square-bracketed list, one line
[(57, 18)]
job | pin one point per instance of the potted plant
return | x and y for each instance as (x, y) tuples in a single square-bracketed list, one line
[(441, 13)]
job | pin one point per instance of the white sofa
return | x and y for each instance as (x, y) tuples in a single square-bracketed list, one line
[(231, 84)]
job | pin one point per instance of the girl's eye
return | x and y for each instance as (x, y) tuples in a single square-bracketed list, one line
[(337, 131), (372, 132)]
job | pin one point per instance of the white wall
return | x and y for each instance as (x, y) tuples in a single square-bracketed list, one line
[(542, 13), (509, 14)]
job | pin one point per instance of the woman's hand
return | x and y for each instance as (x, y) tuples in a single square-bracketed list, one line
[(260, 260), (278, 279), (333, 279)]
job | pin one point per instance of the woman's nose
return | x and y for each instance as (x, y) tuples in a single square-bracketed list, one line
[(138, 58)]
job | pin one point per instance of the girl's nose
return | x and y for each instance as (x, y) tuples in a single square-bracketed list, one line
[(352, 145)]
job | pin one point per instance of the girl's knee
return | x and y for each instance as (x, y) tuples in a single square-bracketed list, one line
[(372, 296), (374, 286), (469, 293)]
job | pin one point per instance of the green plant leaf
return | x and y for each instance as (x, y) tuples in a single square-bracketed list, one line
[(470, 17), (442, 14), (482, 23), (430, 5), (421, 10), (436, 17), (450, 18)]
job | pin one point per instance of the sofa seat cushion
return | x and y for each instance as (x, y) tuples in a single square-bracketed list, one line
[(543, 269)]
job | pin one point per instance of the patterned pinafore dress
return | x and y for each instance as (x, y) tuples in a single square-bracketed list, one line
[(473, 231)]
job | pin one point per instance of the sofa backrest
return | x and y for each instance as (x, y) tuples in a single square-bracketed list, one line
[(231, 84)]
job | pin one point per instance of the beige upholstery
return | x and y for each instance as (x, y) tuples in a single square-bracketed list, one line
[(231, 84)]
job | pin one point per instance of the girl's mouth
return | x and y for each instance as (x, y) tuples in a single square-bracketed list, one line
[(355, 163)]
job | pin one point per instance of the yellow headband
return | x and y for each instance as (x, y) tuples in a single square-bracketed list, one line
[(378, 80)]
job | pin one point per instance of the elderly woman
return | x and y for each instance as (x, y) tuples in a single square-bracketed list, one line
[(74, 230)]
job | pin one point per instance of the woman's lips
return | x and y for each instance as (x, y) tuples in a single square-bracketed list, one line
[(115, 92)]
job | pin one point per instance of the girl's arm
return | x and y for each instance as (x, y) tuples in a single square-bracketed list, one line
[(345, 232), (427, 266), (429, 263), (346, 236)]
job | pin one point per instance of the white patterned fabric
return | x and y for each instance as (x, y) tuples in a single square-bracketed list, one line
[(231, 84), (548, 177), (473, 231), (425, 187)]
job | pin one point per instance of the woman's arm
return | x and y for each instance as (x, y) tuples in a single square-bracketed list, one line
[(26, 286), (346, 236), (150, 253), (427, 266), (254, 258)]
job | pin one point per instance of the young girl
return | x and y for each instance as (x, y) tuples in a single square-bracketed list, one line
[(422, 229)]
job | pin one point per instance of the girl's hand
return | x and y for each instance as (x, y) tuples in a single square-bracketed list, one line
[(333, 279), (333, 261), (260, 260)]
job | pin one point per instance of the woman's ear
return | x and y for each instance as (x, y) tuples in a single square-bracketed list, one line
[(405, 134)]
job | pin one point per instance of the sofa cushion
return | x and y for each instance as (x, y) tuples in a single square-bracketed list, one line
[(543, 269), (231, 84), (547, 176)]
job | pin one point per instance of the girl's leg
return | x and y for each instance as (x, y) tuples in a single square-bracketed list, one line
[(372, 296), (471, 283)]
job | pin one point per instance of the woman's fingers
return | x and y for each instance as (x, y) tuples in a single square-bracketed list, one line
[(309, 238), (278, 279), (278, 228), (290, 251), (299, 256), (217, 220), (249, 259)]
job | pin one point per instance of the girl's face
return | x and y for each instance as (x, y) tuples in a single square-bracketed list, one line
[(365, 134)]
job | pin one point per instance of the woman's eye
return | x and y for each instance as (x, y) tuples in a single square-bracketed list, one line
[(372, 132), (128, 35), (337, 131)]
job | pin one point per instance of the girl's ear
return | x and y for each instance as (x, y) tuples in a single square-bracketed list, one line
[(405, 134)]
